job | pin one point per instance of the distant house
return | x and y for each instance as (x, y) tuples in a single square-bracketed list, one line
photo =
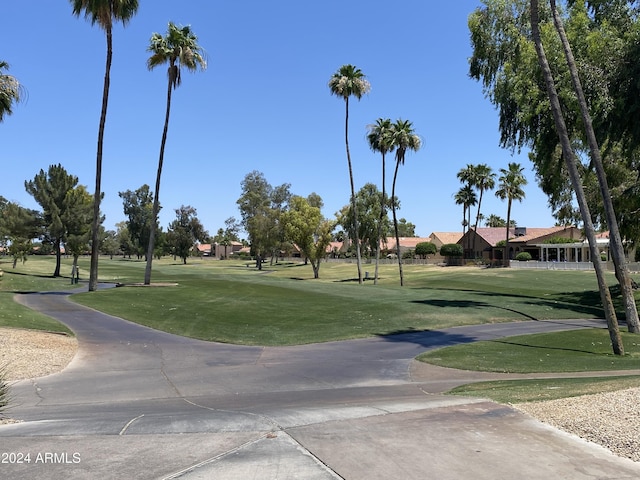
[(521, 239), (219, 251), (406, 243)]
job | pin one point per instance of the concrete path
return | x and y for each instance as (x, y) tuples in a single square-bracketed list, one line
[(138, 403)]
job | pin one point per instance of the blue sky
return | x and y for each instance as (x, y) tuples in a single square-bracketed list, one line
[(263, 104)]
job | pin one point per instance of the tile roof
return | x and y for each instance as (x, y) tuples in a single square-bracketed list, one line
[(446, 237)]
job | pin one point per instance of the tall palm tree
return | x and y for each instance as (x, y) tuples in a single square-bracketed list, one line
[(380, 140), (11, 91), (178, 48), (574, 175), (467, 176), (104, 13), (403, 138), (617, 249), (466, 197), (483, 179), (349, 81), (510, 188)]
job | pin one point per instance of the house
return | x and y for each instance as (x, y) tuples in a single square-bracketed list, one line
[(406, 243), (219, 251), (521, 239)]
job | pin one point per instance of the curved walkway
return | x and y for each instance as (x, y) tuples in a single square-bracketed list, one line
[(138, 403)]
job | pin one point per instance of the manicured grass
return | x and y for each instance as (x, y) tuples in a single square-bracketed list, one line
[(283, 305), (34, 276), (586, 350), (521, 391)]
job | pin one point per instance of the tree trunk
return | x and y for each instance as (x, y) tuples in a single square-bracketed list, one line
[(570, 161), (353, 193), (475, 227), (395, 223), (382, 212), (56, 247), (97, 195), (616, 246), (156, 197), (506, 259)]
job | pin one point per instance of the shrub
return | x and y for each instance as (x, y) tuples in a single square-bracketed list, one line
[(409, 254), (523, 257), (451, 250), (426, 248)]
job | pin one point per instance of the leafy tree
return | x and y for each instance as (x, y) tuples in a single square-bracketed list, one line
[(125, 243), (261, 207), (349, 81), (18, 226), (403, 138), (380, 140), (11, 91), (305, 226), (185, 231), (110, 244), (571, 164), (51, 190), (178, 48), (406, 228), (615, 239), (510, 188), (452, 250), (104, 13), (138, 207), (426, 248), (77, 218), (372, 227)]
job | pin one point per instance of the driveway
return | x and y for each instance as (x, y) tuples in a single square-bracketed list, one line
[(138, 403)]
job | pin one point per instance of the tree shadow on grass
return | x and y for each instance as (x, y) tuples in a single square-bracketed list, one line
[(583, 303), (541, 347)]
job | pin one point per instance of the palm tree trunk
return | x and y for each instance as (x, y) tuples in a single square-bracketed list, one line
[(353, 193), (156, 197), (395, 223), (475, 227), (617, 249), (505, 259), (570, 161), (382, 212), (97, 196)]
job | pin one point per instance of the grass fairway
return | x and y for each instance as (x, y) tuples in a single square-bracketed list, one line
[(522, 391), (232, 302), (283, 305), (31, 277), (586, 350)]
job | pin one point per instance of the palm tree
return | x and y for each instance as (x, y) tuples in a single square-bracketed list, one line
[(483, 179), (11, 91), (178, 48), (403, 138), (510, 188), (467, 176), (346, 82), (617, 248), (466, 197), (380, 140), (574, 175), (104, 13)]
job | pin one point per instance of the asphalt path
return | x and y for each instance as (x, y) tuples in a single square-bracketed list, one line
[(139, 403)]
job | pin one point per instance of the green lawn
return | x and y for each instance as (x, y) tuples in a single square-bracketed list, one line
[(283, 305)]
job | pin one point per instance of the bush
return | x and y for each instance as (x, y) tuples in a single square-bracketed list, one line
[(451, 250), (426, 248), (409, 254), (523, 257)]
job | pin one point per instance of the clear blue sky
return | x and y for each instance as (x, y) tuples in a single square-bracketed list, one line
[(263, 104)]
